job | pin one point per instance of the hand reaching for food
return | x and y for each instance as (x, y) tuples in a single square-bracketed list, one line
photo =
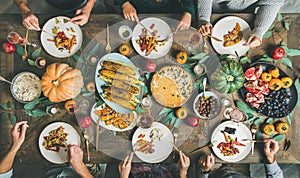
[(206, 162), (205, 29), (129, 12), (81, 16), (253, 41), (185, 22), (30, 21)]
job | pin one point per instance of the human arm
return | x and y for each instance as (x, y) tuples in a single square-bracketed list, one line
[(270, 149), (204, 13), (129, 11), (189, 12), (183, 164), (206, 162), (30, 21), (125, 166), (82, 15), (18, 135), (76, 161)]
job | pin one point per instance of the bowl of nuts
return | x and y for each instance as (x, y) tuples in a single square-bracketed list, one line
[(208, 106)]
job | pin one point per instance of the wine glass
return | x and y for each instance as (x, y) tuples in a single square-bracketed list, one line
[(15, 38)]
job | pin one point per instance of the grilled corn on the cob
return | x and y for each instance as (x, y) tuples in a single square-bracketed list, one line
[(121, 93), (118, 67), (119, 76), (120, 84), (121, 101)]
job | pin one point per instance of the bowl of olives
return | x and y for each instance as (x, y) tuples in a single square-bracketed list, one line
[(207, 106)]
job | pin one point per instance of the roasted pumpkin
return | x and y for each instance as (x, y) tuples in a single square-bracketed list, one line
[(266, 76), (229, 77), (269, 129), (286, 82), (275, 84), (181, 57), (61, 82), (282, 127), (71, 106), (274, 71), (124, 49), (181, 113)]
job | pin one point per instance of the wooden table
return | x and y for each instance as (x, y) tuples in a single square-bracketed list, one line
[(187, 138)]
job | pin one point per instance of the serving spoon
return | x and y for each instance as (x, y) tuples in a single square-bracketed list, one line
[(204, 82)]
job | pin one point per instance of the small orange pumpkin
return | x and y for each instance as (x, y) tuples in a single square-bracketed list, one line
[(91, 87), (266, 76), (124, 49), (269, 129), (181, 113), (181, 57), (61, 82), (286, 82), (275, 84), (282, 127), (71, 106)]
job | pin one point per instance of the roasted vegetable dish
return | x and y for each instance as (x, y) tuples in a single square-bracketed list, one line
[(56, 139), (62, 42), (229, 147), (233, 37)]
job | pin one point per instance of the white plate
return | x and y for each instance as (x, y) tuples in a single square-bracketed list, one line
[(162, 148), (61, 156), (50, 46), (99, 82), (242, 132), (110, 127), (222, 27), (163, 31)]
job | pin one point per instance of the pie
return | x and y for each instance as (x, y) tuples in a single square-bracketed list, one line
[(171, 86)]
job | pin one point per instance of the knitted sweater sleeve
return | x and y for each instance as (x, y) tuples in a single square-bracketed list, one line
[(189, 6), (266, 14), (204, 11)]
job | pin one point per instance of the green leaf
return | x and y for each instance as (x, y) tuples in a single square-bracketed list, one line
[(277, 30), (258, 120), (147, 75), (12, 119), (293, 52), (94, 49), (20, 49), (279, 17), (4, 116), (203, 59), (282, 44), (31, 104), (10, 105), (77, 58), (289, 117), (140, 110), (176, 124), (266, 59), (271, 27), (245, 60), (28, 112), (198, 56), (278, 137), (114, 132), (243, 107), (83, 70), (286, 25), (30, 62), (36, 53), (267, 34), (145, 89), (83, 89), (287, 62), (3, 107), (269, 120), (46, 102), (165, 111), (193, 51), (297, 85), (249, 120), (168, 117), (38, 113), (99, 102)]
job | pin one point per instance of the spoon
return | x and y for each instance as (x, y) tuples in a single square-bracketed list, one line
[(86, 137), (253, 131), (204, 85), (108, 47), (4, 80)]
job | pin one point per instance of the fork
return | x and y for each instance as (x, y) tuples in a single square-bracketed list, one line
[(108, 47), (86, 137)]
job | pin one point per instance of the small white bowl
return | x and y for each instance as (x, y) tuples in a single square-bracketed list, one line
[(207, 94), (125, 32)]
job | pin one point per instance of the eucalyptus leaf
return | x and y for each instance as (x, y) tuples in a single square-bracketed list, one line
[(287, 62), (46, 102), (245, 60), (248, 53), (140, 110), (30, 62), (145, 89), (176, 124), (269, 120), (293, 52), (3, 107), (279, 17), (297, 85), (243, 107), (28, 112), (38, 113), (198, 56), (266, 59), (83, 70), (172, 121), (36, 53), (10, 105), (275, 61), (20, 49), (12, 119), (165, 111), (168, 117), (289, 117), (147, 75), (88, 94), (264, 55), (99, 102), (286, 25), (267, 34), (282, 43), (193, 51), (77, 58), (4, 116), (94, 49), (258, 120), (204, 59), (271, 27), (31, 104), (278, 137), (83, 89), (250, 120)]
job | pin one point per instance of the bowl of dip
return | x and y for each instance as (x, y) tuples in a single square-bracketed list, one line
[(26, 87)]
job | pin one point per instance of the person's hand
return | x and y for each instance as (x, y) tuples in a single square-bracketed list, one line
[(183, 164), (206, 162), (129, 12), (185, 22), (81, 16), (253, 41), (18, 134), (30, 21), (205, 29), (125, 166), (76, 157), (270, 149)]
